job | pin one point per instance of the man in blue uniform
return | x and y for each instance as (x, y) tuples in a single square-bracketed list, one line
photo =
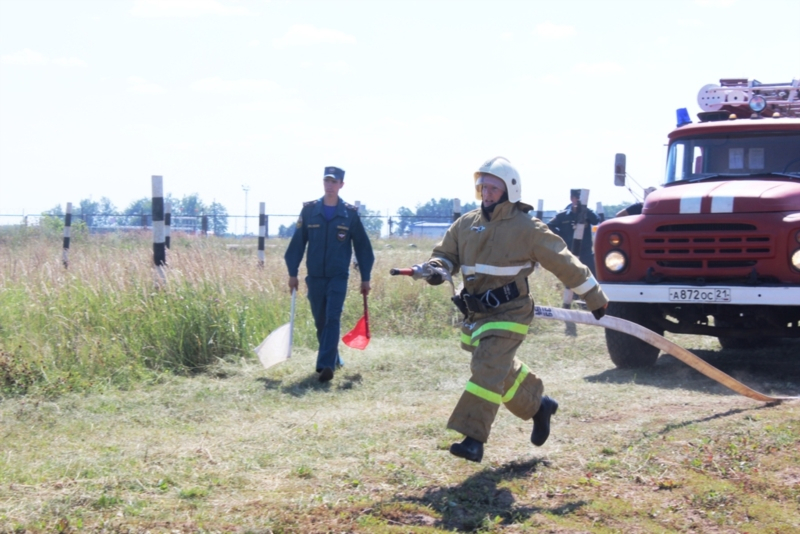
[(563, 225), (332, 229)]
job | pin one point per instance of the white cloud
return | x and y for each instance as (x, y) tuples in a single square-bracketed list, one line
[(716, 3), (305, 34), (30, 57), (24, 57), (337, 66), (254, 42), (180, 145), (142, 86), (435, 120), (690, 23), (549, 30), (550, 79), (279, 105), (183, 8), (237, 87), (507, 36), (69, 62), (600, 67)]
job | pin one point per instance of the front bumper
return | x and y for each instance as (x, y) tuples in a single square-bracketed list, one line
[(711, 294)]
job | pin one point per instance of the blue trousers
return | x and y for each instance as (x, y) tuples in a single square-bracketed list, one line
[(326, 296)]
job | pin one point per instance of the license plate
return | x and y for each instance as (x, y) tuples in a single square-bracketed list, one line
[(705, 294)]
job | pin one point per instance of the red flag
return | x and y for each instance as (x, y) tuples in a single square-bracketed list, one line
[(358, 337)]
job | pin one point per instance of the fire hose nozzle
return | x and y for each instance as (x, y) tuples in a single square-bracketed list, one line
[(417, 272), (423, 272)]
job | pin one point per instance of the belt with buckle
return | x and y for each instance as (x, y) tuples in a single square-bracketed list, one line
[(487, 301)]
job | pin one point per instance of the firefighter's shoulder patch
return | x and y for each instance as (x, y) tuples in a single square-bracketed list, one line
[(310, 203), (350, 206)]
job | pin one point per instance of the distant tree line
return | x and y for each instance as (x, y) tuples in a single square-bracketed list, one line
[(371, 219), (432, 211), (400, 224), (104, 214)]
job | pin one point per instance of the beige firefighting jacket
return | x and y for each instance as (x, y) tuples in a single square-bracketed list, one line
[(493, 253)]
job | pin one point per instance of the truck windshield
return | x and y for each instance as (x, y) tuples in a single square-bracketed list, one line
[(745, 155)]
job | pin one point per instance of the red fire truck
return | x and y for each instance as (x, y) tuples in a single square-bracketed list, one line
[(716, 249)]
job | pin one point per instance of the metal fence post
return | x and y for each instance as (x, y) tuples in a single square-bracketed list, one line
[(67, 231), (261, 232), (167, 222)]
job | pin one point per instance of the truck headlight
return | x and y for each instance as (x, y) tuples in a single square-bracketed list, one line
[(615, 260), (795, 259)]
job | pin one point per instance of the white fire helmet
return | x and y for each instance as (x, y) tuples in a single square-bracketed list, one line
[(503, 169)]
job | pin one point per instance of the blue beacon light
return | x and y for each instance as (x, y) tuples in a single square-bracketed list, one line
[(683, 117)]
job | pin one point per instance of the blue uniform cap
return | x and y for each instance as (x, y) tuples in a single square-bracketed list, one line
[(334, 172)]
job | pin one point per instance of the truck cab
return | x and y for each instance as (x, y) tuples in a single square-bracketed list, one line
[(716, 249)]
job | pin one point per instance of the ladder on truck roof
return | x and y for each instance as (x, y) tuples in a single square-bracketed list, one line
[(737, 92)]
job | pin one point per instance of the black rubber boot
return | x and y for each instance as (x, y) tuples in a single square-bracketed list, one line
[(469, 449), (326, 375), (541, 421)]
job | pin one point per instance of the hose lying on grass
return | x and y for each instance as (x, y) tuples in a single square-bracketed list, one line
[(648, 336)]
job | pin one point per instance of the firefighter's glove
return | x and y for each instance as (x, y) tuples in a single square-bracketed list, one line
[(437, 275), (599, 312), (435, 279), (431, 273)]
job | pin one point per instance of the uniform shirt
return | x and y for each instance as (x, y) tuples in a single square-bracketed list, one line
[(564, 224), (330, 243)]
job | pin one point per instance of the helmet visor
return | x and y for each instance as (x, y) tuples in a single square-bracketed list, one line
[(489, 179)]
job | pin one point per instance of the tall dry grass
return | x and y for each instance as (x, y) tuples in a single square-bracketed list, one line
[(106, 321)]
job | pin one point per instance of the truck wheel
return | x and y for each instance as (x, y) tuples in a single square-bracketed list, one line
[(626, 351)]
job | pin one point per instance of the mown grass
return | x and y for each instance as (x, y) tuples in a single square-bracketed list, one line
[(236, 448)]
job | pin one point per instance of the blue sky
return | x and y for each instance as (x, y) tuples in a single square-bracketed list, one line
[(408, 97)]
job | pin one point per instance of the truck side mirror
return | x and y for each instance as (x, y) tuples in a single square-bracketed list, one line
[(619, 170)]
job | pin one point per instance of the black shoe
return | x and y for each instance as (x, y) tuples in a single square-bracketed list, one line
[(469, 449), (326, 375), (541, 421)]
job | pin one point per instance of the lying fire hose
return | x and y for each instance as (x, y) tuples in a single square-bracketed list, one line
[(626, 327), (648, 336)]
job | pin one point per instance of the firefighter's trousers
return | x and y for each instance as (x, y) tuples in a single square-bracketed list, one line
[(497, 377)]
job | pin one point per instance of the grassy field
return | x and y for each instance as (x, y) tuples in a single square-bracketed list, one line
[(97, 437)]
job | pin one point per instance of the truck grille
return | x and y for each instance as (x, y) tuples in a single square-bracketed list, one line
[(707, 246)]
